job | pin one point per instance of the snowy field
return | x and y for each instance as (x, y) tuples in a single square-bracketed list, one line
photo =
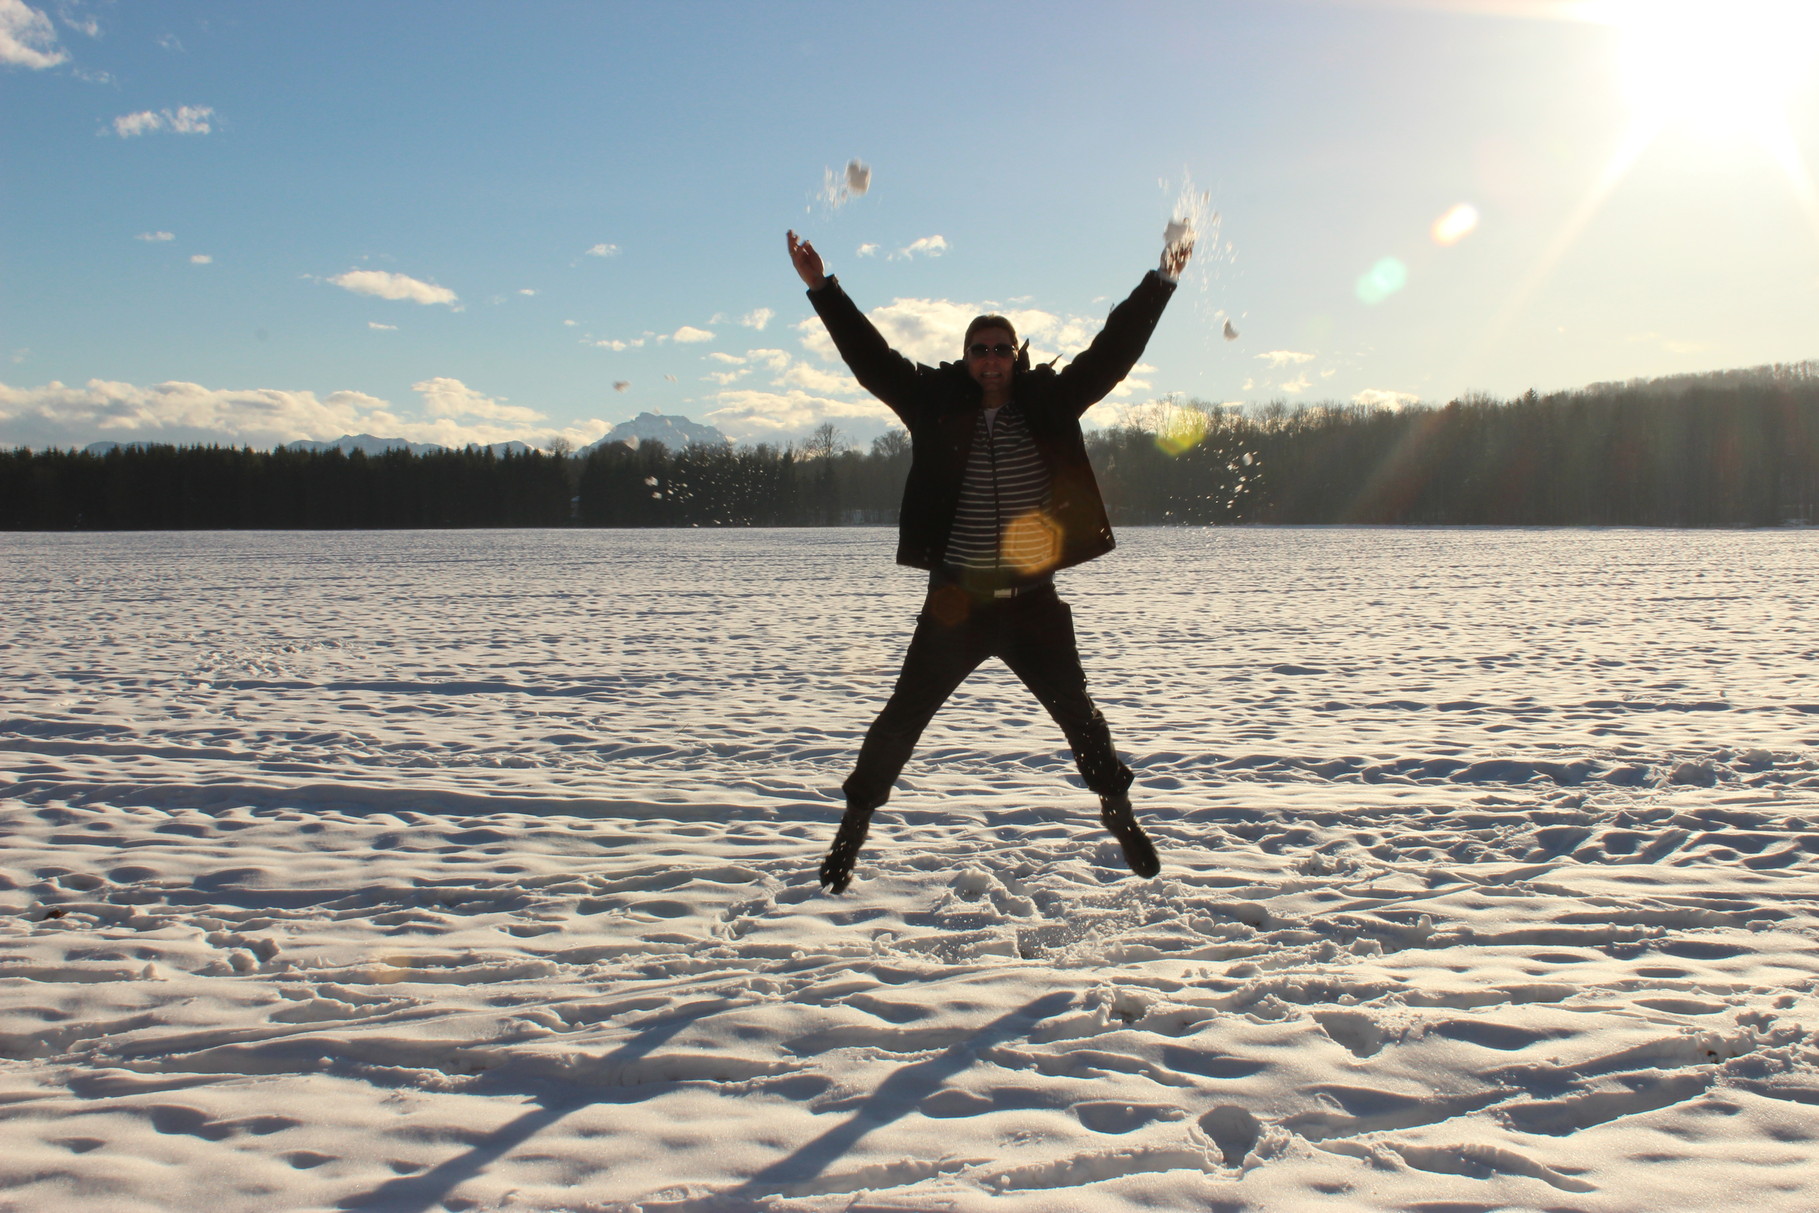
[(475, 871)]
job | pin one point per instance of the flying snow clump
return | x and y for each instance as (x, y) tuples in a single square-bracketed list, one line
[(837, 191)]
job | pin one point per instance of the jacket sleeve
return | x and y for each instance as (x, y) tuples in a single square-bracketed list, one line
[(879, 369), (1102, 365)]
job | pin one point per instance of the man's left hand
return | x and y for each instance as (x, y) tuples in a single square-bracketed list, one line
[(1175, 257)]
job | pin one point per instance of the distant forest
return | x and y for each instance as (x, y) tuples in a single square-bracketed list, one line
[(1732, 449)]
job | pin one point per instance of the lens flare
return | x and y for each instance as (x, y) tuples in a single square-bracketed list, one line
[(1032, 543), (1455, 225), (1382, 280), (1181, 430)]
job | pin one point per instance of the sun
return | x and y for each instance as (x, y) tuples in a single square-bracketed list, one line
[(1733, 73), (1722, 69)]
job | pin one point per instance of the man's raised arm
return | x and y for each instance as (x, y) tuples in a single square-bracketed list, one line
[(1104, 363), (879, 369), (807, 261)]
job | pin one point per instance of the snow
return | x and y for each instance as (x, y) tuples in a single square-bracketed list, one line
[(474, 871), (858, 178), (853, 182)]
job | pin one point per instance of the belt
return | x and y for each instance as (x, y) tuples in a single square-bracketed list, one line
[(943, 579)]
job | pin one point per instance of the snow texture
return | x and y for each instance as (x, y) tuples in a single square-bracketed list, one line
[(475, 871)]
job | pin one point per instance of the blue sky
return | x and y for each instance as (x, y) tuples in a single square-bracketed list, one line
[(460, 221)]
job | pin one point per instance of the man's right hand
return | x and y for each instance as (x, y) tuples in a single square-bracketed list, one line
[(1174, 258), (807, 262)]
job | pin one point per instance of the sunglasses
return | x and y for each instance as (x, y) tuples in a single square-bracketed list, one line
[(979, 350)]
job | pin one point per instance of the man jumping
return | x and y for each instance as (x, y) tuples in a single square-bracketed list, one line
[(1000, 495)]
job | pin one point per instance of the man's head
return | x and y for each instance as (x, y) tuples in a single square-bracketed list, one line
[(991, 356)]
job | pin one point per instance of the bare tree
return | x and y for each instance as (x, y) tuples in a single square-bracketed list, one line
[(826, 442), (890, 444)]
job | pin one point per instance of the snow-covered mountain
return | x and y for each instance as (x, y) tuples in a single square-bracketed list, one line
[(672, 430)]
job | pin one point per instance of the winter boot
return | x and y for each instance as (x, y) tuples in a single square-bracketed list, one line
[(837, 868), (1115, 813)]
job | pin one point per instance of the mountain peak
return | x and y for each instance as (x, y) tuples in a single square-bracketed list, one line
[(672, 430)]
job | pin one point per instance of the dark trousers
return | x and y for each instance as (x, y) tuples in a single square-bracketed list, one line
[(1034, 635)]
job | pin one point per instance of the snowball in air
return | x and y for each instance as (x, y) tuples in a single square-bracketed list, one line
[(621, 385), (1231, 334), (838, 190), (1179, 231)]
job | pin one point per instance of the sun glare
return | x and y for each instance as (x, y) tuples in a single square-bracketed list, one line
[(1718, 68), (1729, 70)]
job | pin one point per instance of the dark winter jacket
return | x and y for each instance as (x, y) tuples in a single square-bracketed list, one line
[(940, 407)]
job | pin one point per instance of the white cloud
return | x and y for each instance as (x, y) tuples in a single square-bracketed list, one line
[(1047, 333), (381, 328), (757, 318), (200, 259), (687, 335), (171, 42), (1295, 386), (729, 359), (775, 360), (128, 125), (926, 330), (1281, 358), (176, 412), (527, 291), (1671, 345), (190, 119), (1133, 384), (184, 120), (615, 344), (868, 250), (156, 237), (603, 250), (930, 330), (393, 286), (723, 378), (746, 414), (445, 397), (928, 246), (1384, 398), (813, 379), (27, 38)]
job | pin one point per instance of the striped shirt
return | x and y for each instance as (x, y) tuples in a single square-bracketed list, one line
[(1001, 525)]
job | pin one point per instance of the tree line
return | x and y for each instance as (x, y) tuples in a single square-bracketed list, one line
[(1736, 449)]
